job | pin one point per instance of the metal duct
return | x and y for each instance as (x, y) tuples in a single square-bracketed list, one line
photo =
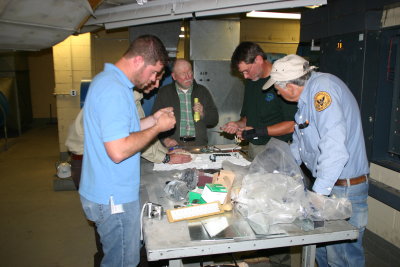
[(168, 32)]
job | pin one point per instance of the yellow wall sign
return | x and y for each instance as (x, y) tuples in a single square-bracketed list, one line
[(339, 46)]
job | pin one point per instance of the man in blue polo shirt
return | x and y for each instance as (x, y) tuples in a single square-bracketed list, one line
[(113, 138)]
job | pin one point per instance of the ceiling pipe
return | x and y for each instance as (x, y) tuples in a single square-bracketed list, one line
[(135, 22), (36, 25)]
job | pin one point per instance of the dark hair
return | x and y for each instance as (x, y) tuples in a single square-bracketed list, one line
[(246, 52), (150, 48)]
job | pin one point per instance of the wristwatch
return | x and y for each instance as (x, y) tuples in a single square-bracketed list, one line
[(166, 159)]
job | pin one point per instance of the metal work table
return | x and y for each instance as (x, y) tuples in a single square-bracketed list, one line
[(172, 241)]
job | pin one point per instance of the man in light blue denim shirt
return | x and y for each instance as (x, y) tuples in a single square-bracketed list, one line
[(329, 139)]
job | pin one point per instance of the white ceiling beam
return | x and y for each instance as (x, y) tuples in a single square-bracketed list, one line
[(169, 17), (135, 22), (135, 6), (170, 7), (203, 4), (36, 25), (248, 8), (132, 14)]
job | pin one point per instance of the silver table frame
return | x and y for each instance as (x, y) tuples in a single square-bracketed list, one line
[(172, 241)]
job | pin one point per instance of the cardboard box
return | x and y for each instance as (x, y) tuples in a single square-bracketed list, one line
[(225, 178), (214, 192)]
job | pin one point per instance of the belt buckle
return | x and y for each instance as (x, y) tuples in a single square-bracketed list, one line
[(187, 138)]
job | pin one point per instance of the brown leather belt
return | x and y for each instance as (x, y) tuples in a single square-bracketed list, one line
[(353, 181)]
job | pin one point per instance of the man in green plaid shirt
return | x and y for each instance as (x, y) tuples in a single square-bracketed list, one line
[(187, 123), (181, 96)]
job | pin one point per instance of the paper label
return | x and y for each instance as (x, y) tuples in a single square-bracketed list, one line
[(116, 208)]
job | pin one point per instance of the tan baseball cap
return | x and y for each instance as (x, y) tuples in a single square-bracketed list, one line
[(287, 68)]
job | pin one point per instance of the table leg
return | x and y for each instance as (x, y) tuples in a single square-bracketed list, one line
[(175, 263), (308, 256)]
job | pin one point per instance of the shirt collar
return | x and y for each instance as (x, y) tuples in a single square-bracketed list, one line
[(180, 91), (304, 98), (121, 76)]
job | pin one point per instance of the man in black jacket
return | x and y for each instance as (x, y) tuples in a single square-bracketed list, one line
[(193, 105)]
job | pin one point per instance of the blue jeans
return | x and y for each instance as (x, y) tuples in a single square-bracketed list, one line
[(349, 253), (119, 233)]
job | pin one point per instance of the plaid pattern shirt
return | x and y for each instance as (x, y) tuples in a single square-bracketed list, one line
[(186, 123)]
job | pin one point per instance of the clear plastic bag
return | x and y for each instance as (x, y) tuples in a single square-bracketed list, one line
[(276, 195), (190, 177), (276, 157), (176, 190), (273, 192), (327, 208), (240, 172)]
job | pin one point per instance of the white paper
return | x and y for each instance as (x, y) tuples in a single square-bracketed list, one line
[(202, 161)]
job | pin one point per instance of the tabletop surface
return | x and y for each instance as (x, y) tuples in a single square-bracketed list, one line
[(165, 240)]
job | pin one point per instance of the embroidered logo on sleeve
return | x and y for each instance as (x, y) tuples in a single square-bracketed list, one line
[(322, 100)]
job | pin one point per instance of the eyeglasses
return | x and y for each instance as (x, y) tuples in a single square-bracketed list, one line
[(246, 72)]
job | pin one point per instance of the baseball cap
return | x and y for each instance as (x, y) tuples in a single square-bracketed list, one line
[(287, 68)]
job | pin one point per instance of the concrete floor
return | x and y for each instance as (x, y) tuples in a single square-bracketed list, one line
[(47, 228), (38, 226)]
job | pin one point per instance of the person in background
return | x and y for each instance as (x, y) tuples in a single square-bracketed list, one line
[(264, 113), (74, 144), (149, 98), (156, 152), (113, 138), (182, 95), (329, 140)]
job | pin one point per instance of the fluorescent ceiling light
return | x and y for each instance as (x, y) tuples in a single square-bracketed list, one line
[(273, 15), (313, 7)]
